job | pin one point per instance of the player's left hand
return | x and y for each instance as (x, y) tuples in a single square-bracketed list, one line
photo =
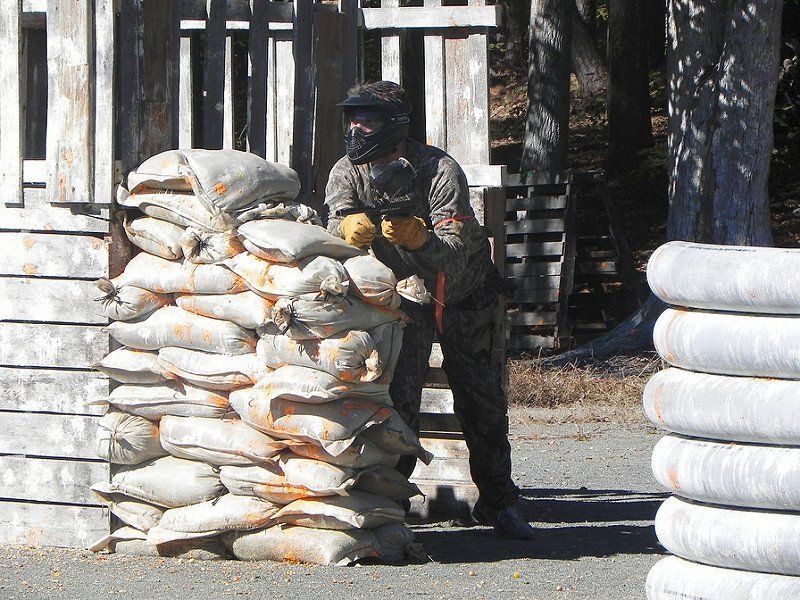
[(407, 232)]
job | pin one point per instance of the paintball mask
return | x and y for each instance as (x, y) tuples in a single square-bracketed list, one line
[(382, 125)]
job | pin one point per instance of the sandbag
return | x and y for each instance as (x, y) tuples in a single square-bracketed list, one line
[(178, 207), (388, 543), (744, 409), (372, 281), (359, 455), (127, 302), (163, 171), (751, 540), (133, 366), (107, 542), (208, 247), (155, 401), (396, 437), (313, 276), (155, 236), (192, 549), (727, 278), (217, 441), (124, 439), (284, 241), (246, 309), (168, 481), (308, 317), (212, 371), (175, 327), (309, 385), (730, 343), (746, 475), (291, 211), (386, 481), (205, 519), (166, 277), (139, 515), (358, 510), (672, 578)]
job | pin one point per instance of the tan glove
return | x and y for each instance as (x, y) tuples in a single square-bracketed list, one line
[(408, 232), (357, 230)]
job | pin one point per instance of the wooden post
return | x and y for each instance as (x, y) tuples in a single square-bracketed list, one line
[(351, 43), (104, 172), (435, 88), (304, 92), (12, 145), (391, 50), (258, 68), (214, 74)]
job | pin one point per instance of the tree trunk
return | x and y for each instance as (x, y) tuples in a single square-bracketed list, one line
[(656, 35), (722, 63), (547, 123), (629, 127), (587, 9), (516, 31), (587, 64)]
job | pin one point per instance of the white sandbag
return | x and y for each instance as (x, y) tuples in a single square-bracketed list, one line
[(751, 540), (123, 303), (175, 327), (321, 546), (272, 280), (291, 211), (155, 236), (167, 277), (212, 371), (387, 482), (278, 240), (309, 385), (388, 339), (727, 278), (208, 247), (163, 171), (308, 317), (168, 481), (107, 542), (133, 366), (192, 549), (358, 510), (180, 208), (217, 441), (674, 578), (357, 356), (155, 401), (744, 409), (746, 475), (246, 309), (139, 515), (359, 455), (226, 513), (124, 439), (729, 343), (396, 437), (372, 281)]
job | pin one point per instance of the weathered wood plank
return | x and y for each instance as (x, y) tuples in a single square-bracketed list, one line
[(46, 255), (436, 356), (48, 480), (50, 300), (258, 68), (104, 34), (544, 282), (534, 249), (430, 17), (214, 75), (23, 523), (435, 92), (535, 226), (70, 109), (12, 144), (493, 176), (39, 215), (351, 43), (537, 203), (431, 422), (532, 318), (391, 48), (528, 342), (50, 390), (227, 109), (284, 115), (238, 10), (535, 296), (185, 91), (305, 57), (35, 345), (436, 377), (46, 435), (533, 269), (437, 401), (446, 447), (34, 92), (443, 469)]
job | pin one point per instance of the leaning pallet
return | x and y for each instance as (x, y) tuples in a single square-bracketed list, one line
[(731, 453)]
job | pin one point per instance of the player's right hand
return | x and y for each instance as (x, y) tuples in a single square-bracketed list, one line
[(358, 230)]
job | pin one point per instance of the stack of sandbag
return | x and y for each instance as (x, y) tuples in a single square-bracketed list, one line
[(729, 401), (251, 413)]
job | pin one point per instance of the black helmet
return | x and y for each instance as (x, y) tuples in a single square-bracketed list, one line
[(392, 119)]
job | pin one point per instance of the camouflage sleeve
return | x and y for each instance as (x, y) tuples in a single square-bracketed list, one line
[(341, 192)]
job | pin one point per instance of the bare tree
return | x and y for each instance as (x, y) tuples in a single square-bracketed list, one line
[(587, 64)]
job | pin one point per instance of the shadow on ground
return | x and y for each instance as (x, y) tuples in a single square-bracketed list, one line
[(570, 523)]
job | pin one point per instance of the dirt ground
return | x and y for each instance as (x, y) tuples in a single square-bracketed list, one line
[(587, 488)]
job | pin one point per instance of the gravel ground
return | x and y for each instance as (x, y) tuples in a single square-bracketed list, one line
[(587, 488)]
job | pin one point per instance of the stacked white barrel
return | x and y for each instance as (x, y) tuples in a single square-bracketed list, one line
[(252, 414), (730, 401)]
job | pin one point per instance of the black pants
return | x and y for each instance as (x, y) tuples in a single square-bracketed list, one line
[(474, 370)]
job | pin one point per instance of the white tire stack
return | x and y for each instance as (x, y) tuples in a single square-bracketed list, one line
[(731, 404)]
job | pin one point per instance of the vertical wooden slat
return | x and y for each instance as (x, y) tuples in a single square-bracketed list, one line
[(70, 112), (227, 99), (131, 40), (435, 87), (478, 51), (271, 141), (185, 90), (258, 69), (12, 147), (214, 76), (104, 176), (391, 44), (304, 91), (350, 44)]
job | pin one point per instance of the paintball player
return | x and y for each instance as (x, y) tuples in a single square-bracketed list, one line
[(440, 240)]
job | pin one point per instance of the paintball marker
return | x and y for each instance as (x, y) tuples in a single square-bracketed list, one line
[(391, 196)]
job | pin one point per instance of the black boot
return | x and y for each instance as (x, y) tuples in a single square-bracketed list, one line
[(507, 522)]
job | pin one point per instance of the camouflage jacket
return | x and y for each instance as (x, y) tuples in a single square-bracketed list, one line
[(457, 244)]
